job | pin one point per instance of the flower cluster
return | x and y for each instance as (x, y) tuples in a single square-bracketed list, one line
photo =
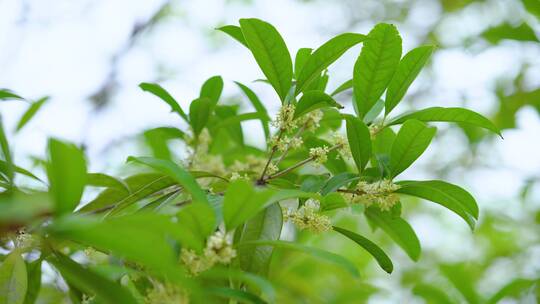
[(23, 240), (380, 193), (374, 129), (319, 154), (166, 293), (218, 250), (308, 217), (285, 118), (311, 120), (339, 140)]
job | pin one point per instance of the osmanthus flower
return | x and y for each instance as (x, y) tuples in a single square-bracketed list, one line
[(218, 250), (319, 154), (285, 118), (311, 121), (308, 217), (166, 293), (379, 193)]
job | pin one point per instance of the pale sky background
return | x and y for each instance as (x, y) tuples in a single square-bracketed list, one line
[(63, 49)]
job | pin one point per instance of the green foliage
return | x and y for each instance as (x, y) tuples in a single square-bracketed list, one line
[(222, 220)]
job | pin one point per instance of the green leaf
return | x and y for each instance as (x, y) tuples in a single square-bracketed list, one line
[(507, 31), (6, 94), (343, 87), (382, 259), (375, 66), (235, 294), (141, 237), (266, 225), (13, 279), (263, 117), (212, 89), (398, 229), (333, 201), (34, 281), (177, 173), (463, 280), (313, 100), (512, 289), (242, 202), (359, 142), (312, 251), (533, 7), (259, 107), (31, 112), (199, 219), (459, 115), (270, 52), (372, 114), (66, 170), (300, 59), (91, 282), (411, 141), (4, 167), (140, 185), (448, 195), (6, 152), (158, 138), (160, 92), (253, 282), (324, 56), (235, 32), (199, 114), (106, 181), (431, 294), (409, 67), (337, 181)]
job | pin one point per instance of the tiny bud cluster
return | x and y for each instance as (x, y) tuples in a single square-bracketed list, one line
[(312, 120), (218, 250), (284, 119), (307, 217), (380, 193), (166, 293), (319, 154)]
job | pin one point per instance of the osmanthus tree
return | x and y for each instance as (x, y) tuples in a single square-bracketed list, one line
[(202, 227)]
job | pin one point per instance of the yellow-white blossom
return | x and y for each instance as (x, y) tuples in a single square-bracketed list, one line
[(218, 250), (340, 140), (319, 154), (380, 193), (166, 293), (284, 119), (308, 217), (312, 120)]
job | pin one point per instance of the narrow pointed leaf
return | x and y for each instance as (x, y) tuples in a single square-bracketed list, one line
[(300, 59), (411, 141), (459, 115), (313, 100), (259, 107), (212, 89), (160, 92), (431, 294), (31, 112), (343, 87), (270, 52), (408, 69), (382, 259), (448, 195), (359, 142), (9, 168), (6, 94), (375, 66), (199, 114), (398, 229), (33, 270), (324, 56), (235, 32)]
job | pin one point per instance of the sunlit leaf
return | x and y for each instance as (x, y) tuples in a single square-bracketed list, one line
[(343, 87), (513, 289), (375, 66), (31, 112), (106, 181), (359, 142), (270, 52), (199, 114), (160, 92), (242, 202), (13, 279), (300, 59), (235, 32), (212, 89), (6, 94), (313, 100), (324, 56), (507, 31), (411, 141), (431, 294)]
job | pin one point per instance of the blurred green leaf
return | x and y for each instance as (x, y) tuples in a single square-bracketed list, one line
[(411, 141), (313, 100), (448, 195), (8, 169), (463, 279), (235, 32), (158, 138), (199, 219), (398, 229), (34, 281), (533, 7), (259, 107), (160, 92), (242, 201), (31, 112), (66, 170), (507, 31), (199, 114), (106, 181), (13, 279), (382, 259), (6, 94), (235, 294), (375, 66), (431, 294), (106, 290), (359, 142), (459, 115), (408, 69), (513, 289), (324, 56), (270, 52), (212, 89), (333, 201)]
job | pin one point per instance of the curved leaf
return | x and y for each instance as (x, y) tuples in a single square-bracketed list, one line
[(343, 87), (235, 32), (398, 229), (411, 141), (324, 56), (359, 142), (300, 59), (199, 114), (212, 89), (270, 52), (382, 259), (13, 279), (459, 115), (315, 252), (313, 100), (375, 66), (242, 202), (431, 294), (6, 94), (160, 92), (448, 195), (31, 112), (34, 281), (409, 67)]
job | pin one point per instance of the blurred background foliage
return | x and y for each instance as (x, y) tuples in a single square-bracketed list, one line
[(90, 56)]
